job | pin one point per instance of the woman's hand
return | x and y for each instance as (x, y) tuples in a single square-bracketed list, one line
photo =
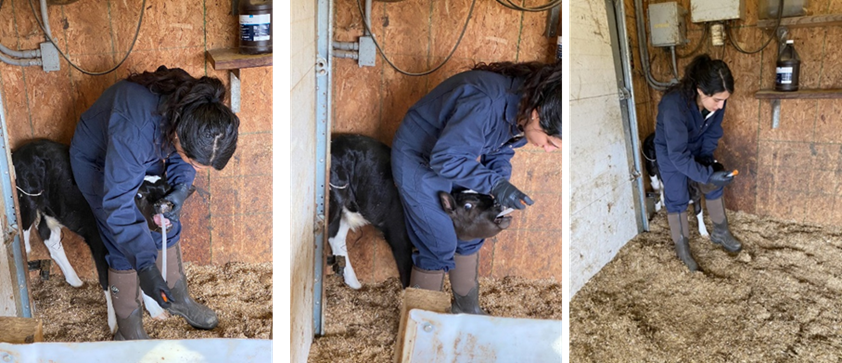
[(170, 205), (721, 178), (509, 196), (153, 285)]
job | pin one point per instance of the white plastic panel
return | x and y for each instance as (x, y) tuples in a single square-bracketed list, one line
[(142, 351), (439, 338)]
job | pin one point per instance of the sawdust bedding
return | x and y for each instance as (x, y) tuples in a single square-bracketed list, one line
[(361, 326), (779, 300), (240, 294)]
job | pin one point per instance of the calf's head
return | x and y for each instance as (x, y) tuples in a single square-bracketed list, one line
[(474, 215), (152, 189)]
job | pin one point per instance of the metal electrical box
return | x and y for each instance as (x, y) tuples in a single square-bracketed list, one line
[(716, 10), (666, 24)]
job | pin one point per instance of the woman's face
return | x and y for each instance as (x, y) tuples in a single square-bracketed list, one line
[(714, 102), (535, 135), (193, 163)]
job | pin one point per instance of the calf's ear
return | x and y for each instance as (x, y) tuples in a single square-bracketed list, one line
[(447, 202)]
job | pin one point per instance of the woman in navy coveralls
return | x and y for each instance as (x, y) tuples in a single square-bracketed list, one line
[(162, 123), (687, 132), (463, 135)]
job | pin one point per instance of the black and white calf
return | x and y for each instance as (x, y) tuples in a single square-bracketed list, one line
[(651, 165), (362, 191), (50, 199)]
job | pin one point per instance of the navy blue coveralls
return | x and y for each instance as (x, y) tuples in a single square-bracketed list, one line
[(118, 142), (681, 134), (463, 133)]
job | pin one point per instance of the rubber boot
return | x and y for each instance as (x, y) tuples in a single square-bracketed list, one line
[(425, 279), (465, 286), (680, 232), (197, 315), (721, 233), (125, 294)]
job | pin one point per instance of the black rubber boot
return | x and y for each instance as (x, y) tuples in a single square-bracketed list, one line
[(721, 233), (465, 285), (125, 294), (425, 279), (197, 315), (680, 232)]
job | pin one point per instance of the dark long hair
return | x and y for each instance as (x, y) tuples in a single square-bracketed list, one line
[(192, 109), (709, 75), (541, 90)]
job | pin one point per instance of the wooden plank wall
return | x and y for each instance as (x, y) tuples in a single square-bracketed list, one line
[(416, 35), (302, 173), (232, 222), (791, 172)]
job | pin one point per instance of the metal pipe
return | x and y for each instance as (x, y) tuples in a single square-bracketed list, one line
[(674, 62), (20, 62), (45, 17), (367, 16), (35, 53), (346, 45), (346, 54), (324, 87), (637, 164), (21, 274), (644, 49)]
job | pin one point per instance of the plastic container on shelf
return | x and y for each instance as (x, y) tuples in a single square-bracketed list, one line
[(255, 26), (787, 69)]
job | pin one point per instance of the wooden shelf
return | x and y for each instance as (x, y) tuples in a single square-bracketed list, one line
[(800, 94), (231, 60), (227, 58), (804, 21)]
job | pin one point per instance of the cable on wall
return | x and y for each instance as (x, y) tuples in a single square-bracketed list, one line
[(424, 73), (92, 73)]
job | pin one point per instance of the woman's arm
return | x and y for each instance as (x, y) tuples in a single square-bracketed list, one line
[(676, 136), (123, 175), (455, 154)]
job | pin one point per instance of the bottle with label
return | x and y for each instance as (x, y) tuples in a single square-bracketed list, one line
[(255, 26), (787, 69)]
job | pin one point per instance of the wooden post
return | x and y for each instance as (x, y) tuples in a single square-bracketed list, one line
[(435, 301), (20, 330)]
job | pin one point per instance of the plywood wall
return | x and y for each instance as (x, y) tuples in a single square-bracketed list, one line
[(416, 35), (791, 172), (303, 177), (230, 220)]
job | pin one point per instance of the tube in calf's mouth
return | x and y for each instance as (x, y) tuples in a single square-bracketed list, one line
[(503, 220), (505, 211)]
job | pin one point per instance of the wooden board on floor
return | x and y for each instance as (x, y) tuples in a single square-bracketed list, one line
[(20, 330), (435, 301)]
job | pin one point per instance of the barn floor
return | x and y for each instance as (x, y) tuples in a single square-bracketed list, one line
[(777, 301), (240, 293), (361, 326)]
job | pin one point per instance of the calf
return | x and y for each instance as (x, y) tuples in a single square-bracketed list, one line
[(651, 165), (362, 191), (50, 199)]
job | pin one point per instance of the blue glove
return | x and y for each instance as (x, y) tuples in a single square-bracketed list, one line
[(509, 196), (170, 205)]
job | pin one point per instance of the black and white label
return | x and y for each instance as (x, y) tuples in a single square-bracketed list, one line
[(255, 28), (784, 75)]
